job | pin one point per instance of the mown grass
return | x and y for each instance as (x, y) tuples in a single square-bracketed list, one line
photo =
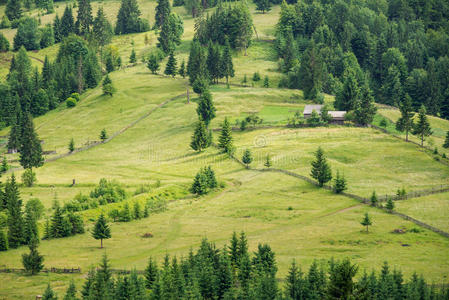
[(319, 225)]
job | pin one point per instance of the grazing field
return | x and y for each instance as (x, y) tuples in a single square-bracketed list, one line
[(298, 220)]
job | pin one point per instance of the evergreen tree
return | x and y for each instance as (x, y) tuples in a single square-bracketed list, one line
[(137, 211), (71, 145), (102, 30), (225, 139), (295, 284), (200, 184), (340, 184), (57, 29), (373, 199), (213, 61), (109, 64), (247, 158), (132, 57), (3, 241), (196, 65), (263, 5), (15, 216), (390, 204), (341, 285), (33, 262), (310, 73), (85, 19), (30, 147), (57, 227), (321, 170), (171, 68), (128, 20), (210, 176), (182, 69), (70, 294), (366, 221), (125, 214), (266, 82), (163, 10), (268, 162), (49, 294), (13, 10), (445, 145), (15, 132), (67, 22), (392, 88), (27, 35), (30, 228), (153, 63), (4, 167), (206, 108), (101, 230), (108, 87), (422, 126), (200, 139), (405, 122), (365, 108), (151, 273), (347, 96), (103, 135), (227, 66), (171, 33)]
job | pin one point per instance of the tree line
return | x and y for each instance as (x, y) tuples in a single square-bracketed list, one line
[(394, 48), (232, 272)]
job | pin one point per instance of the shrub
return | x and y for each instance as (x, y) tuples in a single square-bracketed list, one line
[(383, 123), (70, 102), (256, 76), (75, 96), (4, 43), (28, 178)]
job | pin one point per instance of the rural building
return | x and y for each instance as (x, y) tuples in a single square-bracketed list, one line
[(338, 117)]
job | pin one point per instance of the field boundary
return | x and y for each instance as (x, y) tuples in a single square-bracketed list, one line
[(45, 270)]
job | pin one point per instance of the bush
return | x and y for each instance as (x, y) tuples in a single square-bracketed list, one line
[(28, 178), (256, 76), (70, 102), (383, 123), (4, 43), (108, 192), (5, 23), (75, 96)]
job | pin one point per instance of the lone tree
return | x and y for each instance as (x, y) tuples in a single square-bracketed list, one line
[(340, 184), (321, 170), (390, 205), (445, 145), (101, 230), (225, 139), (108, 87), (268, 162), (153, 63), (206, 108), (71, 145), (132, 57), (103, 135), (200, 138), (247, 158), (373, 199), (33, 262), (405, 122), (366, 221), (171, 68), (30, 146), (422, 127)]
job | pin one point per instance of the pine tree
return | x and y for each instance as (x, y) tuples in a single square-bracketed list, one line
[(321, 170), (85, 19), (67, 22), (373, 199), (101, 230), (347, 96), (422, 127), (49, 294), (365, 108), (128, 20), (446, 141), (151, 273), (4, 167), (30, 147), (102, 29), (225, 139), (390, 204), (132, 57), (137, 211), (70, 294), (340, 184), (15, 216), (206, 108), (200, 137), (3, 241), (33, 262), (268, 162), (366, 221), (13, 10), (171, 68), (71, 145), (103, 135), (182, 69), (163, 11), (405, 122), (247, 158), (153, 63)]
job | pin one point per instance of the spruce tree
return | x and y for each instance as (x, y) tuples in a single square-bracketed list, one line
[(225, 139), (13, 10), (182, 69), (171, 68), (196, 65), (33, 262), (200, 137), (30, 228), (390, 204), (70, 294), (365, 108), (206, 108), (103, 135), (101, 230), (153, 63), (132, 57), (163, 10), (137, 212), (266, 82), (102, 29), (125, 213), (15, 215), (347, 96), (446, 141), (71, 145), (67, 22), (247, 158), (268, 162), (210, 176), (151, 273), (373, 199), (213, 61), (422, 127), (321, 170), (200, 184), (57, 228), (227, 66), (340, 184), (310, 72), (4, 246), (405, 122), (366, 221), (85, 19), (30, 147), (15, 132), (49, 294), (128, 20)]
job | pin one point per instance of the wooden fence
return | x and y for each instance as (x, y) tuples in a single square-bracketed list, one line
[(46, 270)]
